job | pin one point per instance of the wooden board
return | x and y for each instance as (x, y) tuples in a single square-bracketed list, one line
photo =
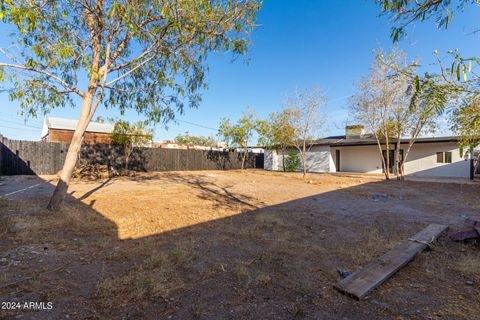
[(360, 283)]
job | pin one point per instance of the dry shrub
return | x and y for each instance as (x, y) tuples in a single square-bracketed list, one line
[(263, 280), (197, 311), (210, 270), (295, 308), (241, 273)]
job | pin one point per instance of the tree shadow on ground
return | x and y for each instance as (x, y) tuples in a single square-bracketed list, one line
[(274, 261)]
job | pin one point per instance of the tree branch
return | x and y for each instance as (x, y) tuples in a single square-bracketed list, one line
[(130, 71), (63, 83)]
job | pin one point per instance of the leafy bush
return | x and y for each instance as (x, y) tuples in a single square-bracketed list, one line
[(292, 162)]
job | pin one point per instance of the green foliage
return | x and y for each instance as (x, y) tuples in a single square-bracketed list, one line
[(292, 162), (131, 135), (458, 80), (195, 140), (136, 134), (240, 133), (388, 130), (393, 101), (405, 12), (149, 56), (466, 124), (278, 131), (418, 98)]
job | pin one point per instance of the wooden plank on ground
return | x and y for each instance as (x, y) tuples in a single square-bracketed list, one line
[(361, 282)]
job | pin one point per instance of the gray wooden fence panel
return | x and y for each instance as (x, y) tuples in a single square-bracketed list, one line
[(44, 158)]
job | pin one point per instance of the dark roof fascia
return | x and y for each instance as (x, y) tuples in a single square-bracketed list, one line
[(369, 142)]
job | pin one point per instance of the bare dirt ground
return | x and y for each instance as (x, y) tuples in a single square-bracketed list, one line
[(232, 245)]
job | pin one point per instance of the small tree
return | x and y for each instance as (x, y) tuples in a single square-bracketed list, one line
[(129, 136), (195, 140), (306, 120), (459, 80), (466, 123), (394, 103), (417, 106), (278, 132), (238, 134), (292, 163), (373, 104), (149, 56), (425, 105)]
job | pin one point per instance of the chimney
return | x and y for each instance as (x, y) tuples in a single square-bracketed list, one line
[(354, 131), (100, 119)]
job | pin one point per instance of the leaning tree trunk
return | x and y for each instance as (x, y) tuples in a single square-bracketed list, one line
[(244, 156), (127, 157), (387, 158), (60, 192), (397, 159), (379, 145), (304, 158)]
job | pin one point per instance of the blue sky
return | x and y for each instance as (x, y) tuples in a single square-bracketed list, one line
[(297, 44)]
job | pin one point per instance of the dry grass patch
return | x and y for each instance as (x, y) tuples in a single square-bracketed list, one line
[(270, 220), (6, 226), (43, 222), (163, 246), (7, 223), (184, 254), (469, 265), (371, 242), (155, 277)]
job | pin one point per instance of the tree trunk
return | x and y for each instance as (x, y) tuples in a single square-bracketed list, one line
[(387, 157), (304, 157), (397, 158), (243, 159), (128, 151), (60, 192), (379, 145), (405, 155), (283, 159), (304, 169)]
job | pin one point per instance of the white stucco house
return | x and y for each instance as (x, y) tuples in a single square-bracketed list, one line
[(429, 157)]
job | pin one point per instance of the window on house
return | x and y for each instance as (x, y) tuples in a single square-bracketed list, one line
[(448, 157), (439, 157), (444, 157)]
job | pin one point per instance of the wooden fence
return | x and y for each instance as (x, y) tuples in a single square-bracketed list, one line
[(30, 157)]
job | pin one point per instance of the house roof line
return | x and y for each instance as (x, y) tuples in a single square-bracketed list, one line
[(361, 141), (70, 125)]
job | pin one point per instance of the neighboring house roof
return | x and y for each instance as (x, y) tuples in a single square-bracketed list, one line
[(70, 124), (369, 139)]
